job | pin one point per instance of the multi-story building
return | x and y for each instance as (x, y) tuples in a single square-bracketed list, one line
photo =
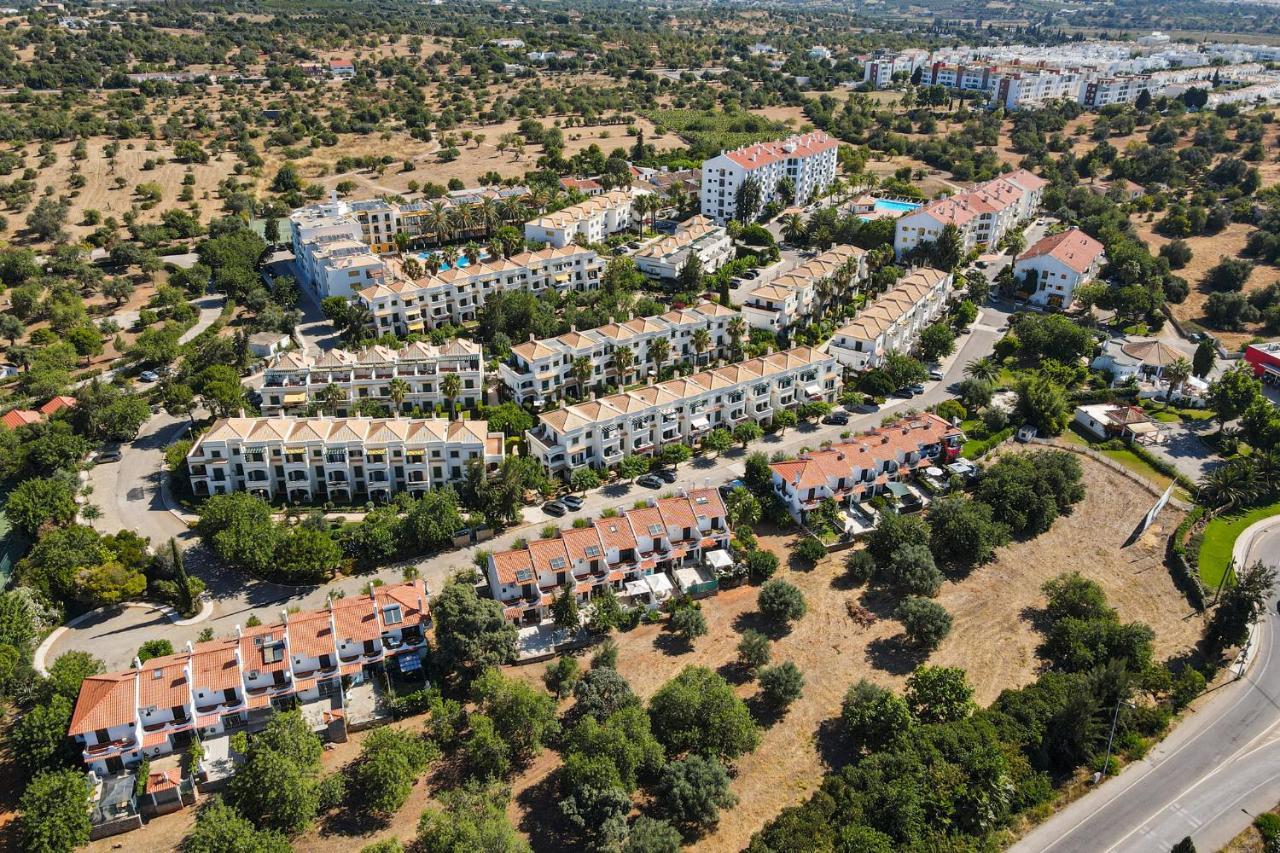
[(1264, 360), (879, 71), (611, 552), (296, 380), (337, 459), (1055, 266), (589, 221), (600, 432), (339, 266), (543, 370), (400, 305), (211, 689), (861, 468), (792, 298), (808, 160), (1100, 91), (894, 321), (983, 214), (665, 257)]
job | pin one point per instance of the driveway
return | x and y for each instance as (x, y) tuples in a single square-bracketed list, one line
[(1183, 449), (316, 332)]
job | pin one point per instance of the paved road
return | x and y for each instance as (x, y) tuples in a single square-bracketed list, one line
[(1207, 779), (129, 495)]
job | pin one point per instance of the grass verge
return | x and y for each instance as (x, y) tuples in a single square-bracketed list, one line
[(1220, 538)]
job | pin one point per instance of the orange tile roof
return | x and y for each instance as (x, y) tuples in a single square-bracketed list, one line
[(1072, 247), (509, 565), (163, 683), (676, 512), (57, 404), (357, 619), (615, 533), (580, 543), (20, 417), (544, 551), (214, 666), (311, 635), (105, 701)]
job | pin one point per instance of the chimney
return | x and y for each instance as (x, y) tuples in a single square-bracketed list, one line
[(190, 647), (239, 633), (137, 664), (284, 616)]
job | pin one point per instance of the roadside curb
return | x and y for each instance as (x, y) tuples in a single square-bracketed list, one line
[(42, 651), (1239, 551)]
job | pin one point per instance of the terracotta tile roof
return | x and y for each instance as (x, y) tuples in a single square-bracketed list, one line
[(644, 520), (706, 502), (676, 512), (549, 556), (105, 701), (511, 567), (57, 404), (163, 683), (20, 417), (214, 666), (411, 598), (765, 153), (311, 635), (255, 654), (615, 532), (583, 544), (1072, 247)]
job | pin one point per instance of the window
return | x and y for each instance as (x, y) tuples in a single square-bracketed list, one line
[(391, 615), (592, 551), (557, 563)]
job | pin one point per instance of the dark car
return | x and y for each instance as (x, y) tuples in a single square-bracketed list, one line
[(904, 393), (666, 475), (918, 388), (726, 489), (836, 419), (650, 481), (108, 456), (573, 502), (554, 508)]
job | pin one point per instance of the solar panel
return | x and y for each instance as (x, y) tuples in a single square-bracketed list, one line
[(557, 562), (524, 575), (593, 551)]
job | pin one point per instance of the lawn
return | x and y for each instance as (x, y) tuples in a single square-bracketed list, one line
[(1125, 457), (1220, 538)]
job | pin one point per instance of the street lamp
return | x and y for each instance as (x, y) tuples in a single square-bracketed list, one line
[(1106, 764)]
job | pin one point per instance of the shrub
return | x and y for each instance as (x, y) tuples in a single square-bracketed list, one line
[(860, 566), (810, 550), (781, 602), (689, 623), (753, 650), (781, 685), (761, 565), (694, 790), (926, 623), (874, 716)]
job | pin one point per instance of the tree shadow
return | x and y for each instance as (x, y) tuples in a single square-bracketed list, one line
[(895, 655), (734, 672), (880, 602), (844, 582), (1037, 618), (833, 747), (754, 620), (616, 490), (672, 645), (703, 462), (542, 819), (351, 819), (766, 716)]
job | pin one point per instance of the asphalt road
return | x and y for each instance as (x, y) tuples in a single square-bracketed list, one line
[(1207, 779)]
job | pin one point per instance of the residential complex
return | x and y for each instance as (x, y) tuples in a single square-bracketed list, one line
[(589, 221), (337, 459), (296, 380), (1012, 86), (1052, 269), (311, 660), (665, 257), (864, 466), (600, 432), (611, 552), (400, 305), (894, 321), (539, 371), (807, 160), (880, 71), (794, 297), (983, 214)]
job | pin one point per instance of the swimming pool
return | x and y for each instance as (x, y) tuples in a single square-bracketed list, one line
[(885, 206), (463, 260)]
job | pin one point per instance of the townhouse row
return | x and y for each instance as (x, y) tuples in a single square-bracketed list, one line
[(894, 321), (589, 221), (807, 160), (861, 468), (542, 370), (211, 689), (600, 432), (296, 380), (337, 459), (983, 214), (611, 553), (400, 305), (698, 237), (792, 299)]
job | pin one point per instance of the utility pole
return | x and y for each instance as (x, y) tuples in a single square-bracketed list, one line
[(1106, 764)]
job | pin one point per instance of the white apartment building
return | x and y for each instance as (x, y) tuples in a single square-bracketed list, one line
[(589, 221), (295, 380), (338, 266), (337, 459), (610, 553), (539, 371), (212, 689), (879, 70), (809, 160), (983, 214), (792, 298), (862, 467), (600, 432), (665, 257), (1101, 91), (1060, 263), (401, 306), (894, 321)]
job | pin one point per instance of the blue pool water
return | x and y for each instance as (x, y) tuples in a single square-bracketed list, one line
[(885, 206), (463, 261)]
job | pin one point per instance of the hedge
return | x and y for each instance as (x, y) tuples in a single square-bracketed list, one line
[(1183, 564)]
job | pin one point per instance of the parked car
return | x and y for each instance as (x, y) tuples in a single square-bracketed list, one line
[(727, 488), (650, 481), (918, 388), (836, 419), (555, 508), (750, 275), (108, 456), (904, 393), (573, 502), (149, 376), (935, 373), (666, 475)]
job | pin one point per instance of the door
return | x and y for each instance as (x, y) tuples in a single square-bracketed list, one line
[(115, 764)]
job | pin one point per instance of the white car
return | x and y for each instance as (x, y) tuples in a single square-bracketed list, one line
[(149, 376)]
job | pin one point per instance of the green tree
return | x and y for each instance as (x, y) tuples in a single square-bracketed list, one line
[(38, 740), (305, 555), (1232, 393), (939, 694), (963, 531), (39, 501), (698, 711), (784, 419), (564, 609), (926, 623), (1239, 605), (276, 786), (220, 828), (487, 755), (1043, 404), (523, 717), (584, 478), (1203, 360), (688, 623), (937, 341), (53, 813), (390, 759), (781, 602), (472, 818), (652, 836), (810, 550), (874, 717), (747, 432), (633, 466), (747, 200), (601, 692), (718, 440), (240, 527), (753, 651), (606, 611), (761, 565), (781, 685), (154, 649), (561, 677), (471, 632), (694, 789), (911, 571)]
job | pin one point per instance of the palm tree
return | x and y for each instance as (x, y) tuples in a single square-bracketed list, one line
[(401, 239), (494, 247), (512, 210), (488, 216), (794, 230), (462, 219), (1230, 485), (331, 397), (623, 359), (450, 387), (737, 328), (701, 342), (436, 220), (659, 349), (581, 370), (984, 368), (397, 390), (472, 251), (1176, 374), (539, 197)]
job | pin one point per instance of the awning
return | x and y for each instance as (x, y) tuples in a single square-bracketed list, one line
[(636, 588), (562, 277), (719, 559), (417, 327), (291, 399), (1143, 428), (409, 663), (813, 389), (700, 422), (661, 586)]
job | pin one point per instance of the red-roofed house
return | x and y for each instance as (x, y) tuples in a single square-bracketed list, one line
[(57, 404), (1055, 266), (808, 160), (342, 66), (15, 418), (983, 214), (586, 186)]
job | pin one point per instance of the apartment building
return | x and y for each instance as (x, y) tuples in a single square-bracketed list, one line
[(610, 553), (880, 70), (1055, 266), (541, 370), (894, 321), (983, 214), (1101, 91), (339, 266), (794, 297), (665, 257), (808, 160), (294, 380), (600, 432), (337, 459), (309, 660), (589, 221), (400, 305), (861, 468)]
